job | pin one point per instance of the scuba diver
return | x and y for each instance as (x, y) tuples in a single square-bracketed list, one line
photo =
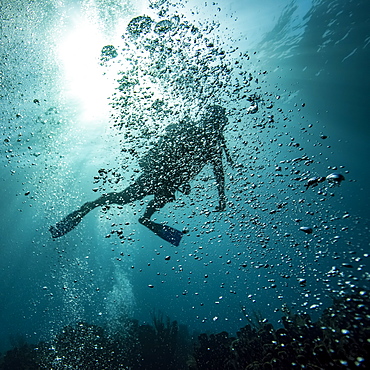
[(177, 158)]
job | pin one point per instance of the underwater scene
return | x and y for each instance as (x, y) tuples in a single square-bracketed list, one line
[(185, 184)]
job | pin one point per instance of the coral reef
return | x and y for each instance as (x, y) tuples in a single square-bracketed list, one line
[(340, 339), (85, 346)]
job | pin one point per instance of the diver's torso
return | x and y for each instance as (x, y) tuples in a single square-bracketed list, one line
[(181, 154)]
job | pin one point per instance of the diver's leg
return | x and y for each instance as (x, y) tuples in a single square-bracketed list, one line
[(155, 205), (134, 192), (149, 211)]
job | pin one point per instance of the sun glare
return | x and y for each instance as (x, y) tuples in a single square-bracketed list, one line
[(84, 81)]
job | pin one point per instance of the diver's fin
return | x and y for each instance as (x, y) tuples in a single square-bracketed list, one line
[(165, 232), (67, 224)]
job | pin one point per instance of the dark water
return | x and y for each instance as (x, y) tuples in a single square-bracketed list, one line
[(68, 110)]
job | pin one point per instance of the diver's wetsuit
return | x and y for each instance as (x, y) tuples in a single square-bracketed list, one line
[(177, 158)]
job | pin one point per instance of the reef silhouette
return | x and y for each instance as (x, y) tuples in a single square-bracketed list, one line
[(339, 339)]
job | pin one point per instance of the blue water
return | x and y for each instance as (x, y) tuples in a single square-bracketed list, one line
[(59, 108)]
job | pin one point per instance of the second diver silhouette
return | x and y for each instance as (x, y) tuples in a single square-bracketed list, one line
[(178, 157)]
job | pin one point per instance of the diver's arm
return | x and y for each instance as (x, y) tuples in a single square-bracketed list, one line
[(226, 150), (220, 181)]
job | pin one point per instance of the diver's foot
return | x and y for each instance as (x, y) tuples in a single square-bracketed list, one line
[(71, 221), (165, 232), (66, 225), (55, 231)]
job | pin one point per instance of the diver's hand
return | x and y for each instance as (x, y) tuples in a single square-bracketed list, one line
[(221, 205)]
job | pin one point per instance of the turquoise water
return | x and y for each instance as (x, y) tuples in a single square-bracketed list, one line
[(70, 107)]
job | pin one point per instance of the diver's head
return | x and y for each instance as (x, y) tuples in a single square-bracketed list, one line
[(214, 117)]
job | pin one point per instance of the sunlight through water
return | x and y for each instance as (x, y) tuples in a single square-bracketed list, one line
[(79, 54)]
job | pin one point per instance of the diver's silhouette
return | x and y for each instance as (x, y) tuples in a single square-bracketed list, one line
[(179, 156)]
